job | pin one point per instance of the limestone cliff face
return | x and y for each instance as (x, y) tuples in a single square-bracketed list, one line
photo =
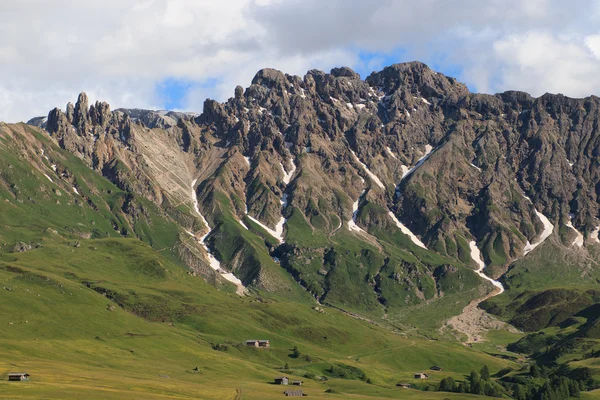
[(452, 166)]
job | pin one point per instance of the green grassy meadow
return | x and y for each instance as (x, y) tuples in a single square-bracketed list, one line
[(112, 318)]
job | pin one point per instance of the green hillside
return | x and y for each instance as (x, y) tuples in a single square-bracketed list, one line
[(114, 317)]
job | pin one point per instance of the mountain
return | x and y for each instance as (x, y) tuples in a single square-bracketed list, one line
[(397, 200), (451, 166)]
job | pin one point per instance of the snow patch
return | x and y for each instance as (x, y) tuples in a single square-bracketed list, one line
[(428, 152), (271, 232), (548, 228), (352, 223), (288, 145), (406, 231), (594, 234), (579, 238), (242, 224), (287, 176), (349, 105), (212, 260), (371, 175), (391, 153), (53, 166), (75, 190), (407, 113), (476, 167), (424, 100), (360, 106), (476, 256), (570, 163), (247, 161), (50, 179)]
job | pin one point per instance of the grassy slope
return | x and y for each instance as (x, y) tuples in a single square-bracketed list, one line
[(57, 319)]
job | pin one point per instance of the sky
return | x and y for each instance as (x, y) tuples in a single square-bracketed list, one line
[(173, 54)]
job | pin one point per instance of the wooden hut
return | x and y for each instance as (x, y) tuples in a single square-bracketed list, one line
[(282, 380), (18, 376), (294, 393)]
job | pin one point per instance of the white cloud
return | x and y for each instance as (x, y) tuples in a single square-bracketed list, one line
[(540, 62), (119, 50)]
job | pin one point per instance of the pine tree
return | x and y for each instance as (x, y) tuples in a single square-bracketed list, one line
[(534, 371), (473, 377), (443, 385), (467, 386), (574, 388), (296, 352), (485, 373), (475, 382), (563, 388), (477, 387), (518, 393), (447, 385)]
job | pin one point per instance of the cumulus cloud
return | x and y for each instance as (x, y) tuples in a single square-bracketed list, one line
[(122, 50)]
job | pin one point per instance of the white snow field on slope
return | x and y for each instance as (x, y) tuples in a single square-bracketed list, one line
[(352, 223), (371, 175), (213, 262), (548, 229), (277, 233), (271, 232), (428, 152), (391, 153), (287, 176), (406, 172), (579, 238), (406, 231), (476, 256), (594, 234)]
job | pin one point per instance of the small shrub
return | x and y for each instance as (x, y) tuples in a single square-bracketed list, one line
[(220, 347)]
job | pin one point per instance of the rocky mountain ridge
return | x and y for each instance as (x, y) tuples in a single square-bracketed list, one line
[(344, 182)]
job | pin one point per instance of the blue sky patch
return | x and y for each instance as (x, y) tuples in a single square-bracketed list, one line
[(172, 93)]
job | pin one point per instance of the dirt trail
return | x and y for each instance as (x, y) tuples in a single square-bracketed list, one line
[(238, 394)]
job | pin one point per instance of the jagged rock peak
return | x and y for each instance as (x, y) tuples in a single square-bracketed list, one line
[(344, 71), (100, 113), (418, 78), (80, 117), (70, 112), (271, 78), (82, 101)]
